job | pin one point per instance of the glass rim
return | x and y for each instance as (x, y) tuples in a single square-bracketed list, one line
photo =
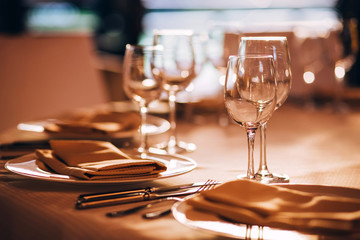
[(280, 53), (268, 38), (251, 56), (145, 47)]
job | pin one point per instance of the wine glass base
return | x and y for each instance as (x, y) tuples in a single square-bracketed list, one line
[(179, 147), (269, 178), (272, 178), (245, 177)]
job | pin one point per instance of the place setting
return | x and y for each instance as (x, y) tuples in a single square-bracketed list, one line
[(153, 167), (257, 205), (86, 136), (126, 182), (110, 121), (262, 204), (245, 209)]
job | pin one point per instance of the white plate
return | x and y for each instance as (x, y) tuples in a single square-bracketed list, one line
[(26, 166), (155, 125), (192, 218)]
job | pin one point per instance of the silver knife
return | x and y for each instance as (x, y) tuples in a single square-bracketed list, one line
[(135, 192), (137, 197)]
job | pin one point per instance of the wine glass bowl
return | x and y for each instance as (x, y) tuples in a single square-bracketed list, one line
[(249, 101), (142, 80), (250, 96), (179, 70), (283, 77), (278, 48), (223, 42), (178, 58)]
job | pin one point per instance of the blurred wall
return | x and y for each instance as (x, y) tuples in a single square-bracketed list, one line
[(44, 75)]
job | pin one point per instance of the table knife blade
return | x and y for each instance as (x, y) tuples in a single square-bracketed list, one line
[(138, 197), (116, 194)]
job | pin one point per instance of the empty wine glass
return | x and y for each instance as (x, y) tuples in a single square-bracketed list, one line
[(142, 80), (224, 39), (250, 96), (278, 48), (179, 70), (223, 42)]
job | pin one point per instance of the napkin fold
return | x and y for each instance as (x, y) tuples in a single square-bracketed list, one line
[(251, 202), (96, 123), (88, 159)]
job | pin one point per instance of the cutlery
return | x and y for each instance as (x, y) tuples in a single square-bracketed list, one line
[(151, 215), (160, 213), (138, 208), (116, 194), (142, 195)]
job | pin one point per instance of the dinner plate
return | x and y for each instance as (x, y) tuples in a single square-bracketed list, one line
[(155, 125), (211, 223), (26, 166)]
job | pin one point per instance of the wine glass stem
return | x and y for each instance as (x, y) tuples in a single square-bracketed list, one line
[(263, 169), (143, 134), (172, 105), (250, 132)]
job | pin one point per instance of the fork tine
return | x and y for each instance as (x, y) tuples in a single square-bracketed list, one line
[(213, 185), (209, 184), (203, 186)]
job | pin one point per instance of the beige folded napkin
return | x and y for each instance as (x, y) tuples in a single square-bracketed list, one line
[(254, 203), (93, 160), (96, 123)]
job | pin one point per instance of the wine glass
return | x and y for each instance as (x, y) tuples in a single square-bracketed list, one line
[(179, 70), (223, 42), (142, 81), (250, 96), (278, 48)]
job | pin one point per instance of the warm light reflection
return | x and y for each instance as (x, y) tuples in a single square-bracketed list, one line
[(143, 110), (222, 80), (245, 232), (149, 83), (30, 127), (156, 71), (255, 79), (184, 74), (309, 77), (339, 72), (190, 88), (172, 98), (287, 73), (172, 163)]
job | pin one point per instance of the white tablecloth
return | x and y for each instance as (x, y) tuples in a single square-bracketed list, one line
[(313, 147)]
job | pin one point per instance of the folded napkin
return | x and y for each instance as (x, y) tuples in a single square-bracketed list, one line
[(96, 123), (93, 160), (254, 203)]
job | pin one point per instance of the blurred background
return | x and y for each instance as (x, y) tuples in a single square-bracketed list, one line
[(322, 34)]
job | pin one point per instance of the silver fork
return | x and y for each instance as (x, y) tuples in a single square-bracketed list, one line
[(160, 213), (148, 205)]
